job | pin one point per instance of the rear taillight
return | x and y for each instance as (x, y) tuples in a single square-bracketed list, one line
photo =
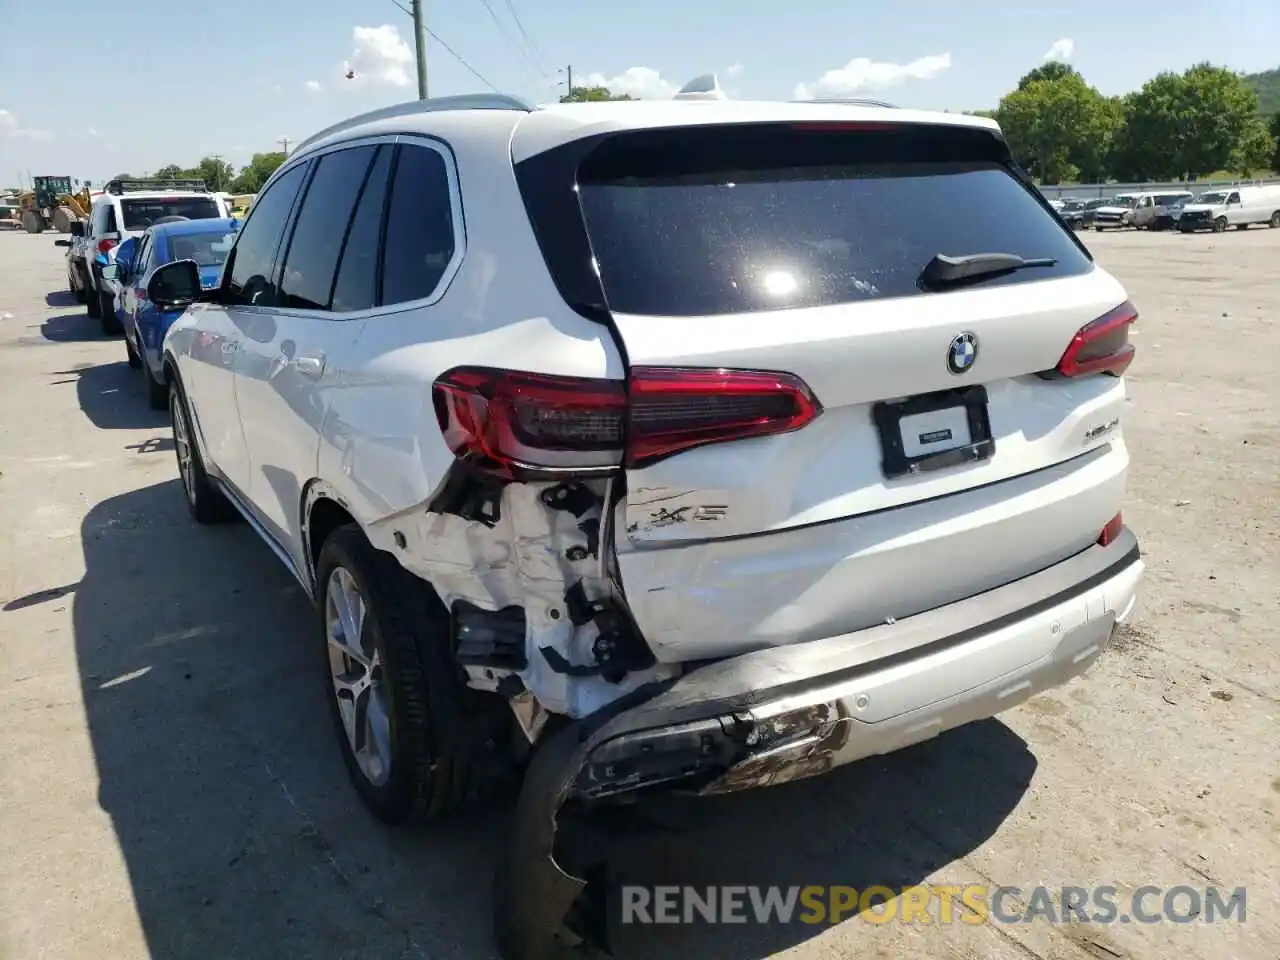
[(512, 421), (105, 245), (1111, 531), (1099, 347)]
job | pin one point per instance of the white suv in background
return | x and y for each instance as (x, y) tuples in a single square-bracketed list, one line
[(125, 209), (704, 445)]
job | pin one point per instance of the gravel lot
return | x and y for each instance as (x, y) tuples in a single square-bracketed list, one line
[(169, 785)]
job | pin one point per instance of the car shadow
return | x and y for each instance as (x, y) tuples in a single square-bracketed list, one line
[(60, 298), (205, 696), (71, 328), (112, 395)]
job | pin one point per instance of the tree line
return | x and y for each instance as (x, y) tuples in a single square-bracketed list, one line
[(1179, 126)]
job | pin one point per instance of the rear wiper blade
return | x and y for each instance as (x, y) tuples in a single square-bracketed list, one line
[(943, 270)]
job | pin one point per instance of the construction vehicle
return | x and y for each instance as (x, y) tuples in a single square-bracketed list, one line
[(50, 203)]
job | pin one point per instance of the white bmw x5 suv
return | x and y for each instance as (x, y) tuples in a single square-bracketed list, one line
[(696, 444)]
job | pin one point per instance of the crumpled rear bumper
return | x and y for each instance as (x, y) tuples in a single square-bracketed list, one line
[(790, 712)]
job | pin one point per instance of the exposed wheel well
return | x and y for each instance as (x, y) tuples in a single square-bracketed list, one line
[(325, 517)]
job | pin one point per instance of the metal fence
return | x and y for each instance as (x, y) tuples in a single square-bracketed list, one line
[(1093, 191)]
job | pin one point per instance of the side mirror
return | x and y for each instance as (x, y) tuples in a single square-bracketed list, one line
[(62, 243), (175, 286), (77, 228), (111, 272)]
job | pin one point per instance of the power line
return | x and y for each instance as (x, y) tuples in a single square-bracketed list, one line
[(506, 35), (449, 50), (533, 47)]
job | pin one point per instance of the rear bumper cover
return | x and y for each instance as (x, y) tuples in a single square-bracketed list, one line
[(796, 711)]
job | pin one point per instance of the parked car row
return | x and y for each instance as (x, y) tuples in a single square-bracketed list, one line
[(1239, 207), (580, 498)]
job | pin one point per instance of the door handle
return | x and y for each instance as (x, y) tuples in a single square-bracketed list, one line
[(309, 366)]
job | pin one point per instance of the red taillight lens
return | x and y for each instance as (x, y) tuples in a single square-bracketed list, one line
[(105, 245), (1099, 347), (1111, 531), (674, 409), (509, 420)]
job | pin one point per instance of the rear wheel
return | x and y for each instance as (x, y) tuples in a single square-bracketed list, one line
[(62, 218), (1220, 225), (93, 305), (1274, 222), (205, 501), (131, 355), (416, 741), (107, 314)]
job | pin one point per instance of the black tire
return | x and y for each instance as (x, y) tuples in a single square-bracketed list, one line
[(107, 315), (1274, 222), (1220, 225), (78, 291), (93, 305), (204, 500), (131, 355), (157, 390), (448, 744), (1242, 226)]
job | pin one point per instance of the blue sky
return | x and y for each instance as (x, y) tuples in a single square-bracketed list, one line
[(155, 81)]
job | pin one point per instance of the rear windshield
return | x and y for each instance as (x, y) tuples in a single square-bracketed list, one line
[(142, 212), (206, 249), (703, 221)]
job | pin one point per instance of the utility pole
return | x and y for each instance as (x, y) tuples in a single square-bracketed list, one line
[(569, 72), (284, 142), (217, 158), (420, 35)]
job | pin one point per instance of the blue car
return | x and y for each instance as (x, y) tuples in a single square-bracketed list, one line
[(207, 242)]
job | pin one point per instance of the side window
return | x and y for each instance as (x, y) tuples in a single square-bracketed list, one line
[(111, 226), (1234, 198), (322, 222), (420, 241), (252, 258), (357, 285), (140, 256)]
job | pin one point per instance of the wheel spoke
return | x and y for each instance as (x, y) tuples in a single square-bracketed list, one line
[(356, 669)]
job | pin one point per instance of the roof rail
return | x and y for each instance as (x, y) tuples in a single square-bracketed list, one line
[(466, 101), (119, 186), (855, 101)]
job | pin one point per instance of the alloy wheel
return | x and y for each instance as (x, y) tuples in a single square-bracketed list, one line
[(355, 666)]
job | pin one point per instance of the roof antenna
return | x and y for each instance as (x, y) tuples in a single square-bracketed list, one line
[(705, 87)]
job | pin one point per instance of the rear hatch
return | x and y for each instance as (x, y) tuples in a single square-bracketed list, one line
[(801, 386)]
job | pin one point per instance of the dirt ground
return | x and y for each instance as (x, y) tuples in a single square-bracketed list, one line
[(169, 784)]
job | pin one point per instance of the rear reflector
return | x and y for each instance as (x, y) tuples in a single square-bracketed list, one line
[(1111, 531), (512, 421), (1101, 346)]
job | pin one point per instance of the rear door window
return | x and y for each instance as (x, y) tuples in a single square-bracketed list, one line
[(309, 266), (356, 287), (420, 241), (702, 221)]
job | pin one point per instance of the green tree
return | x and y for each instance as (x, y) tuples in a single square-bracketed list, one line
[(1255, 150), (1186, 125), (592, 95), (216, 173), (1275, 134), (171, 172), (1053, 70), (256, 172), (1058, 126)]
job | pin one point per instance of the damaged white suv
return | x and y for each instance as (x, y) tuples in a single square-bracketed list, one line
[(695, 444)]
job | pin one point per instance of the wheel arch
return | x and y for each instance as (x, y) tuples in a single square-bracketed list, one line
[(323, 510)]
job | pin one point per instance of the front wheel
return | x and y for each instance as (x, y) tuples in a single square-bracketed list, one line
[(1220, 225), (107, 315), (157, 390), (416, 741), (93, 303), (205, 501), (1274, 222), (131, 355)]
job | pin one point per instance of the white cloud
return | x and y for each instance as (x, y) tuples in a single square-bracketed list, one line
[(644, 83), (91, 132), (734, 70), (381, 56), (1061, 50), (862, 75), (314, 86), (10, 127)]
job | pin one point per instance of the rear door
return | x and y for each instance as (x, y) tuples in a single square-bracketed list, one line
[(801, 249)]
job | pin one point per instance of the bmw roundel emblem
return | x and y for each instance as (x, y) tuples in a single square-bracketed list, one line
[(963, 353)]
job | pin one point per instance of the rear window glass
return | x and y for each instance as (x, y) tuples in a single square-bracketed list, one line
[(705, 221), (140, 212), (206, 249)]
